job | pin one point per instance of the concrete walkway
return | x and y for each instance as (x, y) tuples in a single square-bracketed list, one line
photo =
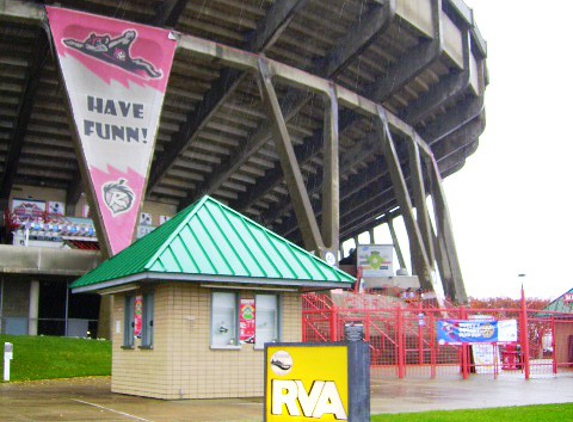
[(90, 399)]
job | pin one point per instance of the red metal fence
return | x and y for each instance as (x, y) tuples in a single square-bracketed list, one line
[(402, 337)]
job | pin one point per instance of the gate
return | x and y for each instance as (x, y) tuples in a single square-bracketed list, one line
[(402, 337)]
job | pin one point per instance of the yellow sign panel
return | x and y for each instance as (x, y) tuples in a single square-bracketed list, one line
[(306, 383)]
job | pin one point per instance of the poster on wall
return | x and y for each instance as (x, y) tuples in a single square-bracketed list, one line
[(24, 210), (375, 260), (247, 321), (115, 73), (137, 317)]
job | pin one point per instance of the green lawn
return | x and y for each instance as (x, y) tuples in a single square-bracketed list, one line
[(542, 413), (39, 357)]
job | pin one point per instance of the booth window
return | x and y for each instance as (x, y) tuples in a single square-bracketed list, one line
[(147, 321), (129, 322), (267, 320), (224, 320)]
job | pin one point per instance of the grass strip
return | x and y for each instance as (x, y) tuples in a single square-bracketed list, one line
[(537, 413), (46, 357)]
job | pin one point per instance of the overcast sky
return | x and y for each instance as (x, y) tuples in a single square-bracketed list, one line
[(511, 204)]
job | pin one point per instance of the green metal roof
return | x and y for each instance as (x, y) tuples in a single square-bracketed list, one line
[(559, 305), (210, 242)]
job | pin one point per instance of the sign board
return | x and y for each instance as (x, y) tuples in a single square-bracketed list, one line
[(475, 332), (375, 260), (115, 74), (306, 382), (247, 321)]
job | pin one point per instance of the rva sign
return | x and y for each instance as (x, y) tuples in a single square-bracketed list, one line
[(299, 386), (322, 399)]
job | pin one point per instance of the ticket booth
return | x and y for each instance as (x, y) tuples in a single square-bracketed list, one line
[(196, 300)]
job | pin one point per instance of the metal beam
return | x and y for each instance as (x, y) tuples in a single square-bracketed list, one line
[(365, 33), (18, 10), (377, 199), (412, 63), (397, 248), (372, 190), (75, 190), (419, 194), (358, 154), (378, 19), (442, 145), (168, 13), (470, 108), (276, 20), (422, 264), (38, 58), (293, 176), (331, 182), (458, 139), (451, 86), (444, 228), (229, 80)]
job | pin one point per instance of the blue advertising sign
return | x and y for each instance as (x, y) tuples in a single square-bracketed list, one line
[(467, 332)]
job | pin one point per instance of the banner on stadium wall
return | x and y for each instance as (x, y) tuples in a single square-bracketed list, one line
[(476, 332), (115, 73)]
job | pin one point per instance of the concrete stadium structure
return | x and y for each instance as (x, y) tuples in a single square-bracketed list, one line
[(318, 119)]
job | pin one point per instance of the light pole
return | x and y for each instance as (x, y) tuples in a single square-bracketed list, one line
[(524, 332)]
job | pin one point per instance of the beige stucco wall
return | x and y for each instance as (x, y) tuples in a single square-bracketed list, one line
[(181, 364)]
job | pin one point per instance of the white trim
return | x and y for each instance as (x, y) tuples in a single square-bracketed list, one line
[(242, 287), (207, 278), (120, 289)]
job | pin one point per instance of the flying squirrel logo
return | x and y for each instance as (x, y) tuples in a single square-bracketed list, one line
[(118, 197)]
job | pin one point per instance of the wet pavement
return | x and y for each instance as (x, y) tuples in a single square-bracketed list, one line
[(90, 399)]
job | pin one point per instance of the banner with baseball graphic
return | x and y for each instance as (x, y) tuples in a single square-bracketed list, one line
[(115, 73)]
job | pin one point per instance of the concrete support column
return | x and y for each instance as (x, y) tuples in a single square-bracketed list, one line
[(445, 233), (34, 307), (421, 264), (330, 191), (310, 231), (397, 247)]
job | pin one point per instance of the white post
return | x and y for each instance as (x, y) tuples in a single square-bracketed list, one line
[(33, 308), (8, 353)]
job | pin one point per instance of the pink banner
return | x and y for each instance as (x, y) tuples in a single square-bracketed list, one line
[(247, 321), (116, 74)]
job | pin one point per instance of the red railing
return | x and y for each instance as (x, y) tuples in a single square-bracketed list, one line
[(402, 337)]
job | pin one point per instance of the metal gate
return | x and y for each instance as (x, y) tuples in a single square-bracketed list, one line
[(402, 337)]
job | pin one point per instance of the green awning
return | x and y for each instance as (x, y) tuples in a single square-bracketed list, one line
[(210, 242)]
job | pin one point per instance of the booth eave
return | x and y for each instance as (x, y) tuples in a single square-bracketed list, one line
[(210, 241), (135, 281)]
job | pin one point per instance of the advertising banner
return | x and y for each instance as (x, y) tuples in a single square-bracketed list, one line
[(247, 321), (375, 260), (115, 73), (137, 316), (306, 382), (468, 332), (476, 332)]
